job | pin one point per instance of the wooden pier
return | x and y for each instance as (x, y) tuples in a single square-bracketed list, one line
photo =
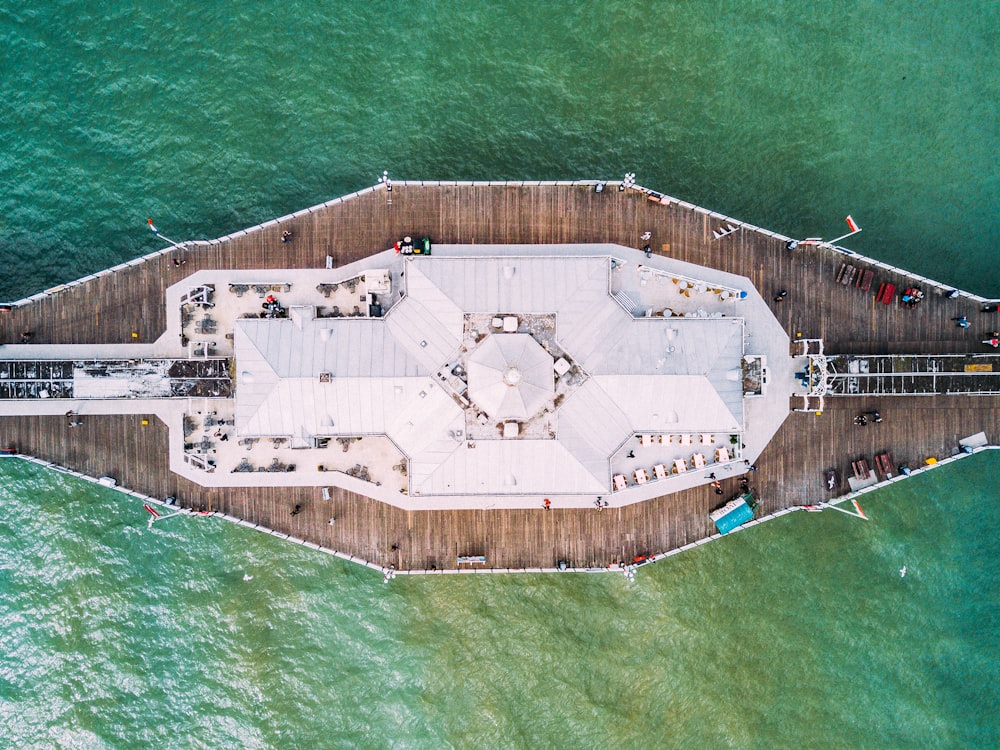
[(128, 306)]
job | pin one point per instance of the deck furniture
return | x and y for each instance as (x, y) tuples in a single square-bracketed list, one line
[(722, 455), (698, 459), (645, 440), (641, 477), (686, 439), (846, 274), (619, 482), (865, 280), (884, 464), (660, 471), (886, 293), (680, 465), (861, 469)]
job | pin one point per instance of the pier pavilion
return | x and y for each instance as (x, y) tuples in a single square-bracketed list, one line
[(557, 360)]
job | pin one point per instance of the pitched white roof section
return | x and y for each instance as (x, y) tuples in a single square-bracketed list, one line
[(526, 284), (510, 376), (679, 374), (590, 328), (279, 364), (592, 426), (427, 422), (674, 346), (679, 403), (343, 347), (345, 406), (504, 467), (426, 322)]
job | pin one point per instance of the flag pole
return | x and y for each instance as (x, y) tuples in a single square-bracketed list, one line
[(849, 234), (154, 518), (157, 233), (851, 224)]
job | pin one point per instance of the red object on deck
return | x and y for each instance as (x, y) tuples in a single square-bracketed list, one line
[(886, 293), (884, 463), (865, 281), (151, 510)]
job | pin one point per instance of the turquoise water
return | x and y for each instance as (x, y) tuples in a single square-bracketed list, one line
[(800, 633), (787, 114)]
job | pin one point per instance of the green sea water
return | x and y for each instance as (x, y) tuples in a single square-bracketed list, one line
[(212, 117)]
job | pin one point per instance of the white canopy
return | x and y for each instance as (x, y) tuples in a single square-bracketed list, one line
[(510, 376)]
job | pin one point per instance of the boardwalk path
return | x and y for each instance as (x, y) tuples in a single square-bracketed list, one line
[(114, 307)]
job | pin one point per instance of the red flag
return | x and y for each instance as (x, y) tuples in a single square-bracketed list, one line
[(150, 222), (151, 510), (853, 225)]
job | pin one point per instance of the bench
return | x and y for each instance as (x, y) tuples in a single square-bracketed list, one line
[(864, 282), (883, 462), (861, 470), (886, 293), (846, 274)]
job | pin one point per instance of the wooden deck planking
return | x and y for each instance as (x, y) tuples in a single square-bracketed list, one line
[(790, 473), (850, 321)]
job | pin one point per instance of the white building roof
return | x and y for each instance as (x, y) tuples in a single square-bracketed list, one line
[(348, 376), (324, 376)]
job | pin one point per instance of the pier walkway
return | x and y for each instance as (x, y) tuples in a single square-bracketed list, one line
[(917, 375), (126, 306)]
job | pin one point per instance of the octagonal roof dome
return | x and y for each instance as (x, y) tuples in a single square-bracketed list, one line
[(510, 376)]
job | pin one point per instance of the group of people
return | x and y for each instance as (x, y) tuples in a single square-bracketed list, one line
[(862, 419), (272, 308), (744, 480)]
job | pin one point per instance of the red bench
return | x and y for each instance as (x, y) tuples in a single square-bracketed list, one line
[(883, 462), (886, 293)]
